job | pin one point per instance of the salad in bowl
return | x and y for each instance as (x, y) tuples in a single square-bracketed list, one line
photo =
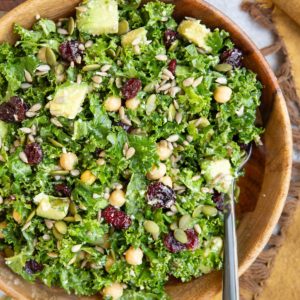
[(121, 134)]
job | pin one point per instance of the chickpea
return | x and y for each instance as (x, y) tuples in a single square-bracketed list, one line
[(157, 172), (109, 263), (134, 257), (88, 177), (222, 94), (112, 103), (115, 291), (117, 198), (166, 180), (132, 103), (68, 161), (163, 150)]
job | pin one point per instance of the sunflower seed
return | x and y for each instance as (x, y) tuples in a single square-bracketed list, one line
[(55, 122), (52, 255), (28, 76), (23, 157), (178, 117), (36, 107), (46, 237), (221, 80), (1, 200), (151, 104), (168, 73), (198, 228), (130, 153), (25, 130), (97, 79), (100, 162), (31, 138), (76, 248), (170, 213), (197, 82), (43, 68), (189, 138), (75, 172), (71, 26), (26, 86), (62, 31), (104, 74), (185, 143), (174, 91), (171, 113), (173, 138), (105, 68), (88, 44), (164, 87), (161, 57), (78, 60), (125, 149), (81, 9), (188, 82), (26, 226), (49, 223), (73, 260), (118, 82), (164, 19)]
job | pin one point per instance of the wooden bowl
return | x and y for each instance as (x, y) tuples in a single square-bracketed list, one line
[(263, 189)]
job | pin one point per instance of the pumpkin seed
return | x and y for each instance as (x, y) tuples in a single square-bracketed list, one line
[(59, 69), (91, 68), (42, 55), (152, 228), (73, 209), (69, 219), (174, 46), (151, 104), (77, 218), (171, 113), (197, 211), (111, 53), (61, 227), (59, 172), (185, 222), (50, 57), (123, 27), (71, 26), (55, 143), (209, 211), (56, 234), (149, 87), (174, 226), (197, 228), (223, 67), (180, 236), (32, 214)]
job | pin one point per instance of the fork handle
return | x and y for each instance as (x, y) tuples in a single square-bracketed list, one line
[(230, 273)]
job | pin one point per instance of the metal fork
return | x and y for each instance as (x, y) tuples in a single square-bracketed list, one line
[(230, 273)]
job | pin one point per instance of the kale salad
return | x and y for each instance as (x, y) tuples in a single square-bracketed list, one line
[(121, 132)]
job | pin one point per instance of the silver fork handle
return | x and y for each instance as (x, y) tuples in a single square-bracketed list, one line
[(230, 273)]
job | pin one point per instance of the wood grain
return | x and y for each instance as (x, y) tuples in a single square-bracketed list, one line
[(263, 189), (7, 5)]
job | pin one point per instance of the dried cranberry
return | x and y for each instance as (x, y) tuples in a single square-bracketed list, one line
[(62, 190), (32, 267), (172, 244), (193, 240), (172, 66), (218, 198), (34, 153), (131, 88), (232, 57), (170, 36), (70, 51), (126, 127), (117, 218), (160, 195), (14, 110)]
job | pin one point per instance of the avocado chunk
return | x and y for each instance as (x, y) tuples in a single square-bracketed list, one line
[(195, 32), (98, 17), (68, 100), (218, 174), (3, 129), (138, 36), (50, 207)]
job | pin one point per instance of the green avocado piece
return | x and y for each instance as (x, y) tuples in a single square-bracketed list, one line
[(3, 129), (98, 17), (218, 174), (68, 100), (52, 208), (195, 32), (138, 35)]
